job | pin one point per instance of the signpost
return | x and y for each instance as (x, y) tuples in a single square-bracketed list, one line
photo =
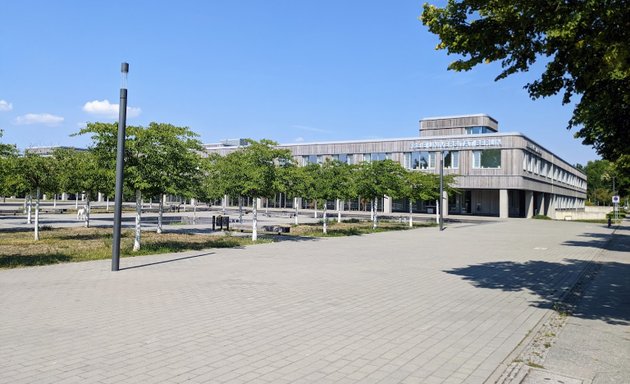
[(615, 201)]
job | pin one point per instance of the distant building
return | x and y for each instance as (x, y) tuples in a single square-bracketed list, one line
[(48, 150), (499, 174)]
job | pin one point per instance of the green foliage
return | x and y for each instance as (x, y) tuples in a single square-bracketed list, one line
[(9, 183), (584, 44), (160, 158), (36, 171), (378, 178), (250, 171)]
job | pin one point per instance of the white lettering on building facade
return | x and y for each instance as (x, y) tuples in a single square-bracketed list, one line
[(456, 144)]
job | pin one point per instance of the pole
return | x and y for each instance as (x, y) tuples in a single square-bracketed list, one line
[(120, 164), (441, 200)]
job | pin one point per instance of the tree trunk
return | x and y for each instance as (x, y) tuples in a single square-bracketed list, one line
[(255, 221), (338, 211), (374, 210), (55, 200), (240, 210), (76, 201), (107, 204), (410, 213), (194, 204), (87, 212), (29, 209), (37, 216), (136, 239), (315, 209), (325, 223), (295, 205), (160, 214)]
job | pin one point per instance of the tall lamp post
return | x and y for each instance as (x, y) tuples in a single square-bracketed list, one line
[(120, 164), (441, 200)]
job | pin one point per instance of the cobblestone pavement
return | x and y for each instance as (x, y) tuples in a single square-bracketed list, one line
[(418, 306)]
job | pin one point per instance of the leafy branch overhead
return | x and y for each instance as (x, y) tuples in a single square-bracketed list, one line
[(583, 43)]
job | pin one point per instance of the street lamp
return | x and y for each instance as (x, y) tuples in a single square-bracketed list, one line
[(120, 164)]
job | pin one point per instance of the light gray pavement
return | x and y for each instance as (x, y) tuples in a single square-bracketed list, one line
[(418, 306), (594, 345)]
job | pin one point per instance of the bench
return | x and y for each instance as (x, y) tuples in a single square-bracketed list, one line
[(276, 228)]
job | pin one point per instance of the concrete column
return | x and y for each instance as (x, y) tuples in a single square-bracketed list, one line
[(529, 204), (552, 206), (504, 206), (64, 196), (100, 197), (543, 210), (387, 204), (259, 203)]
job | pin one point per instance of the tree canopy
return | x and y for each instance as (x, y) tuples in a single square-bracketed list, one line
[(583, 43)]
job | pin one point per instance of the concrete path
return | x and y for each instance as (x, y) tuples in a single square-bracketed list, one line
[(594, 345), (418, 306)]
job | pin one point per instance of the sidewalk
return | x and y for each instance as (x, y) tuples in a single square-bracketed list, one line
[(594, 345), (418, 306)]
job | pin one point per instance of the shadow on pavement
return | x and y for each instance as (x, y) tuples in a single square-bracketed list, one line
[(167, 261), (555, 282), (549, 281)]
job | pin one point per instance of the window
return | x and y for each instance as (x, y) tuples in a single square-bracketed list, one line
[(451, 160), (478, 130), (367, 157), (377, 156), (342, 158), (420, 160), (350, 159), (488, 158), (309, 159)]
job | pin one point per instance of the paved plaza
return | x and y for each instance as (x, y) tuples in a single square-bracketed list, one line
[(417, 306)]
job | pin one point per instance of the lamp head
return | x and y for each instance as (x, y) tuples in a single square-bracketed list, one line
[(124, 70)]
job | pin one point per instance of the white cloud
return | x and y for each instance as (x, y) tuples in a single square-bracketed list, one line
[(5, 106), (107, 109), (299, 140), (38, 118)]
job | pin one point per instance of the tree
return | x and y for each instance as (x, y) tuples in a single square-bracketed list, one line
[(293, 181), (251, 172), (584, 44), (377, 179), (330, 181), (80, 172), (8, 156), (168, 163), (420, 186), (38, 174), (159, 159)]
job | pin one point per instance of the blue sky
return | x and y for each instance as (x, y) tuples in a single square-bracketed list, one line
[(290, 71)]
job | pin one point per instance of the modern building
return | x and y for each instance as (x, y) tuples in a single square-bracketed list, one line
[(498, 174)]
